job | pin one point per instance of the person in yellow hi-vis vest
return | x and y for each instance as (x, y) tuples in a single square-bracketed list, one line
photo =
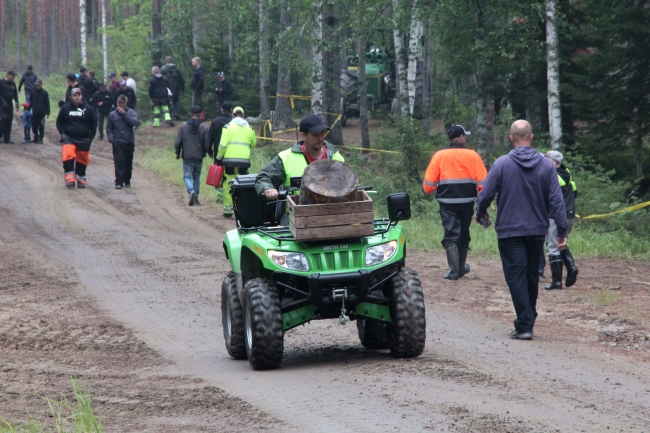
[(237, 140)]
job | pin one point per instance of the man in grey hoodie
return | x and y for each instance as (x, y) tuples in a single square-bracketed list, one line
[(119, 129), (192, 143), (527, 186)]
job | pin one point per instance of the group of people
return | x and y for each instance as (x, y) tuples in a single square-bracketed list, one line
[(535, 205), (35, 110)]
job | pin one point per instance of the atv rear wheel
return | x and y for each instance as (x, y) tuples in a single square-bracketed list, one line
[(407, 333), (264, 335), (372, 334), (232, 317)]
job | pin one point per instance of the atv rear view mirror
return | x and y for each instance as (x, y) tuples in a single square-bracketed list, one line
[(399, 206)]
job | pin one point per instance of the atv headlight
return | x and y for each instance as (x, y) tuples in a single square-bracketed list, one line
[(380, 253), (295, 261)]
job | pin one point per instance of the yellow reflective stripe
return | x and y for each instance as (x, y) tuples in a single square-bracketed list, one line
[(562, 182), (238, 143)]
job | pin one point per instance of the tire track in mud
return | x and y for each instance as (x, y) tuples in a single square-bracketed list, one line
[(156, 266)]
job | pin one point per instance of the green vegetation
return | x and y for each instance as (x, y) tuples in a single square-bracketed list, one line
[(75, 417), (605, 298)]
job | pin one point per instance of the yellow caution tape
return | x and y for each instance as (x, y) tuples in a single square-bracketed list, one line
[(627, 209)]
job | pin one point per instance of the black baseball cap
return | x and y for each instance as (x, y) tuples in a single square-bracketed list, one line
[(313, 123), (125, 74), (197, 109), (71, 76), (456, 131)]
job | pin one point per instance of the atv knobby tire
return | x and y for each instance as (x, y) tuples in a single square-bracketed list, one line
[(372, 334), (264, 335), (232, 317), (407, 333)]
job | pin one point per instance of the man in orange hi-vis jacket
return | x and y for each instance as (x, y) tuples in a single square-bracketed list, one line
[(77, 124), (456, 175)]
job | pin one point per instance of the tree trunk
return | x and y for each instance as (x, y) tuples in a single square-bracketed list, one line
[(282, 118), (426, 85), (198, 32), (83, 32), (55, 46), (265, 111), (156, 32), (328, 181), (485, 126), (3, 27), (331, 73), (553, 76), (231, 36), (400, 62), (363, 93), (317, 61), (104, 41), (638, 154), (19, 36), (414, 44), (30, 31)]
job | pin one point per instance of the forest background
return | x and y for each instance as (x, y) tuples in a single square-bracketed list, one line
[(481, 63)]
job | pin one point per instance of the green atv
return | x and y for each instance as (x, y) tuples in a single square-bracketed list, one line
[(277, 283)]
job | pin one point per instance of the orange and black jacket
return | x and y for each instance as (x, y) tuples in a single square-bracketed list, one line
[(455, 174)]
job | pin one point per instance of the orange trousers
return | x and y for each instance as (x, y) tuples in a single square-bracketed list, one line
[(74, 171)]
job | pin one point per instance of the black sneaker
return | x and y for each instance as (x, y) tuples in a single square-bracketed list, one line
[(27, 140), (81, 185), (9, 142), (515, 335), (127, 185), (118, 186), (227, 215), (69, 184), (169, 122), (192, 198), (196, 201)]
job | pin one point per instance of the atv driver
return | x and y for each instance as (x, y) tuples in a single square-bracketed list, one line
[(292, 162)]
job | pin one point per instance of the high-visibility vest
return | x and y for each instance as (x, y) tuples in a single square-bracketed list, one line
[(236, 143), (295, 163), (563, 183)]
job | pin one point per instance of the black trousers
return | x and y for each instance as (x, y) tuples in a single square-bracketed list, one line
[(38, 124), (175, 104), (520, 260), (101, 117), (5, 124), (456, 219), (123, 159)]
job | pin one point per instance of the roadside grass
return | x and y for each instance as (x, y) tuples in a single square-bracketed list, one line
[(69, 417), (605, 298)]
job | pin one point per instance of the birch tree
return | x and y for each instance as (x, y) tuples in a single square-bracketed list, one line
[(317, 61), (400, 60), (265, 111), (156, 32), (83, 32), (19, 35), (553, 76), (414, 45)]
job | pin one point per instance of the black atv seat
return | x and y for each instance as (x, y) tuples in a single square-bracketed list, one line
[(252, 210)]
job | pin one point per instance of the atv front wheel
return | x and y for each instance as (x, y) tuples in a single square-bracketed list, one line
[(407, 333), (232, 317), (263, 324), (372, 334)]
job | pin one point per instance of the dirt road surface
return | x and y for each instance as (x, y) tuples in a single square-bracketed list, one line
[(120, 288)]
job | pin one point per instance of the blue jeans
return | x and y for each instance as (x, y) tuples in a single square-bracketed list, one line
[(192, 175), (520, 257)]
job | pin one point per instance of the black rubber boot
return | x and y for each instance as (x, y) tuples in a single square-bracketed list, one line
[(452, 261), (571, 268), (463, 267), (555, 262)]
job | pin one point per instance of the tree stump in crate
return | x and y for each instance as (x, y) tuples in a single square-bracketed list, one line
[(328, 181)]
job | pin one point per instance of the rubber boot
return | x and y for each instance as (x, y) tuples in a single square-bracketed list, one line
[(463, 267), (452, 261), (555, 263), (571, 268)]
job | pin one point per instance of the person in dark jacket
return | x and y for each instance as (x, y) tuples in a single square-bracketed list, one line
[(28, 79), (115, 83), (126, 91), (192, 145), (8, 92), (77, 124), (216, 128), (198, 79), (94, 83), (85, 84), (223, 91), (73, 83), (41, 110), (559, 258), (527, 186), (102, 100), (175, 83), (119, 129), (159, 96)]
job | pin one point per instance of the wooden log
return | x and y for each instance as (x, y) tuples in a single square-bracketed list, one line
[(328, 181)]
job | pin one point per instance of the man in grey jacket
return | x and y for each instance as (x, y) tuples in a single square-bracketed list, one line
[(119, 129), (191, 144), (526, 184)]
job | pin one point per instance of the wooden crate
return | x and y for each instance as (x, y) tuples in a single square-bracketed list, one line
[(314, 222)]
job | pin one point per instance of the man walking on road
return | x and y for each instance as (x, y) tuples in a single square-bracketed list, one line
[(455, 174), (119, 130), (159, 97), (41, 110), (8, 92), (28, 79), (527, 185), (103, 101), (223, 91), (77, 124), (175, 83), (198, 79), (192, 145), (215, 131), (237, 140)]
